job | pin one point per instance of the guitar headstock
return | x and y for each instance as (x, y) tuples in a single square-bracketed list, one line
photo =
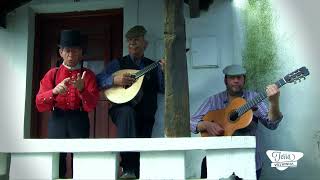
[(297, 75)]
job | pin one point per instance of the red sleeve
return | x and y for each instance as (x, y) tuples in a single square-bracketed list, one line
[(90, 94), (44, 98)]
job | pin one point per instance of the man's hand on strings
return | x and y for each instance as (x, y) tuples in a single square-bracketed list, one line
[(123, 80)]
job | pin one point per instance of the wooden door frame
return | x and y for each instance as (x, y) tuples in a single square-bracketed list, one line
[(39, 18)]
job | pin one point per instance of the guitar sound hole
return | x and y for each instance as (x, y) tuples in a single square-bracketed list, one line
[(234, 116)]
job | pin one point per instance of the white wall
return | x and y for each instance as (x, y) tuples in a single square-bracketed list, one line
[(218, 22), (298, 30), (13, 48), (13, 63)]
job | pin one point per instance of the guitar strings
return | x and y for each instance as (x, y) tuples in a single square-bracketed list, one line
[(146, 69)]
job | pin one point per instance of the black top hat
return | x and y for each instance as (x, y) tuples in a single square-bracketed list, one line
[(70, 38)]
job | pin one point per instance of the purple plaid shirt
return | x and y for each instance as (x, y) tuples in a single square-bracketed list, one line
[(260, 115)]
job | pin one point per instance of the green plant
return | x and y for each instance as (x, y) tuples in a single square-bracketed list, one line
[(260, 52)]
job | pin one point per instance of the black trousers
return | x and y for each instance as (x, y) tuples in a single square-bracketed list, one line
[(65, 125), (204, 170), (132, 122)]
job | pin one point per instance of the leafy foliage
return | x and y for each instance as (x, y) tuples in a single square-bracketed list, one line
[(260, 52)]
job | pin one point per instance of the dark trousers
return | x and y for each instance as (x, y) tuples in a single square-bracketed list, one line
[(65, 125), (204, 170), (131, 122)]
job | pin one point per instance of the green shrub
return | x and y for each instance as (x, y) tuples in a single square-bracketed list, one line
[(260, 51)]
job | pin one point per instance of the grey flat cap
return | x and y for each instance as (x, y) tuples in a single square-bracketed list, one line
[(136, 31), (233, 70)]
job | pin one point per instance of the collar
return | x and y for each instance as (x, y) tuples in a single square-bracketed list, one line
[(225, 95), (78, 66)]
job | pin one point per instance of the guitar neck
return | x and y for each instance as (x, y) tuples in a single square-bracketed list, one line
[(146, 70), (256, 100)]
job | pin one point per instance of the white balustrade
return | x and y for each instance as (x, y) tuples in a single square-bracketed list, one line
[(161, 158)]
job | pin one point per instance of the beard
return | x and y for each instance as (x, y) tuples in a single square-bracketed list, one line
[(235, 91)]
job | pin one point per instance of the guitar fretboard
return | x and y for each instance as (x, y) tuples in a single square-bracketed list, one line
[(146, 69), (256, 100)]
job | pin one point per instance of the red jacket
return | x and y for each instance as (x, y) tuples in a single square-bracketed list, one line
[(72, 99)]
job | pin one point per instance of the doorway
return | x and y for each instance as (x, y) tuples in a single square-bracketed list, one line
[(101, 33)]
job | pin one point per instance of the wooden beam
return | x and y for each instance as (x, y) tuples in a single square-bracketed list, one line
[(194, 8), (177, 118)]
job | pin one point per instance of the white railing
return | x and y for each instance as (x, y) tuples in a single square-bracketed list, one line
[(161, 158)]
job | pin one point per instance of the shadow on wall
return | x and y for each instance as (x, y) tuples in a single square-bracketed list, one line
[(158, 127), (4, 166)]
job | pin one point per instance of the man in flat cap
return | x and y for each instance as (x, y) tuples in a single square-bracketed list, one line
[(133, 119), (234, 81), (70, 92)]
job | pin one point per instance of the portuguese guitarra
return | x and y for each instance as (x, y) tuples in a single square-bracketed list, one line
[(120, 94)]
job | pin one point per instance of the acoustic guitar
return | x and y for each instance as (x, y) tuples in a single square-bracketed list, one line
[(238, 114), (120, 94)]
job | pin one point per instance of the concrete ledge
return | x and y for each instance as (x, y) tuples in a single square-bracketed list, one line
[(129, 144), (160, 158)]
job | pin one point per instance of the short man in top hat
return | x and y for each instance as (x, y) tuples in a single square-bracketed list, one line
[(133, 120), (234, 81), (70, 92)]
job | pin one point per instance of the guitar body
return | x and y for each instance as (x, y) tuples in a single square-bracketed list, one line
[(222, 118), (239, 106), (119, 94)]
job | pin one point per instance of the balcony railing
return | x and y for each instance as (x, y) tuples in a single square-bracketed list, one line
[(161, 158)]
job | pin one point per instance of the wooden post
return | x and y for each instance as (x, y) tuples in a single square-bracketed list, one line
[(177, 118)]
